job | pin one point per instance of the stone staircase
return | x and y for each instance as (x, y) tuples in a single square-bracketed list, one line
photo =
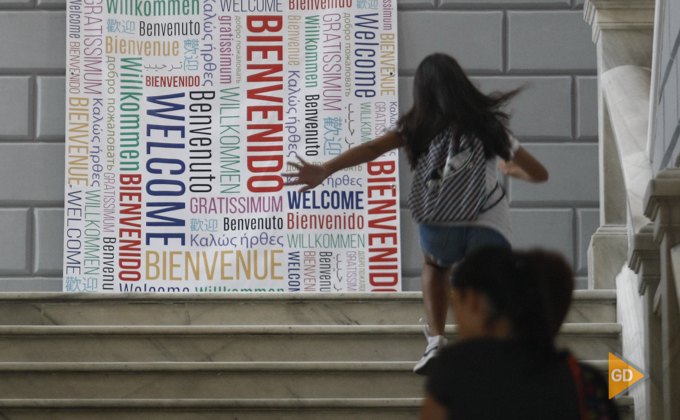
[(237, 356)]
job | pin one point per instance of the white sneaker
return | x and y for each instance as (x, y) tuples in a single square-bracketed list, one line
[(433, 345)]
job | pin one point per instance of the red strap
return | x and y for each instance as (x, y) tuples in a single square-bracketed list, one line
[(576, 372)]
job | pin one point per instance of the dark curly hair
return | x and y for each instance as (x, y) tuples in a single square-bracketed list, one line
[(443, 97), (533, 289)]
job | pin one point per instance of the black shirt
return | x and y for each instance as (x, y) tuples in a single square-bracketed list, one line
[(491, 379)]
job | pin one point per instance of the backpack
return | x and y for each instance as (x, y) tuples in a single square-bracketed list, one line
[(591, 390), (449, 185)]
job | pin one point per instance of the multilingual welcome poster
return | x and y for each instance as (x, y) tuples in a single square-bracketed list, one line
[(180, 118)]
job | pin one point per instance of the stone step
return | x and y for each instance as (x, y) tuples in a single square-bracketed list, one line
[(588, 341), (211, 409), (207, 409), (212, 380), (248, 309)]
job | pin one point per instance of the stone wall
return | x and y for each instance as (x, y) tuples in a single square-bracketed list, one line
[(667, 130), (502, 43)]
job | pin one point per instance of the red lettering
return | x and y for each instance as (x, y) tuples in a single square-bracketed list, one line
[(265, 23), (130, 252), (373, 279), (265, 158), (377, 168)]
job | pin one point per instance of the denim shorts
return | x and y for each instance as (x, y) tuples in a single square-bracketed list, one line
[(448, 244)]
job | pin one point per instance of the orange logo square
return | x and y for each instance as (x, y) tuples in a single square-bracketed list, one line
[(621, 375)]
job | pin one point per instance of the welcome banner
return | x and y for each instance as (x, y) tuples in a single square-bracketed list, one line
[(180, 118)]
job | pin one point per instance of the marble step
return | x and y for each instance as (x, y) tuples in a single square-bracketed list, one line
[(207, 409), (212, 380), (211, 409), (248, 309), (588, 341)]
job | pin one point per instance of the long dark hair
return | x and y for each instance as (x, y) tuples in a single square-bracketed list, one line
[(443, 97), (532, 289)]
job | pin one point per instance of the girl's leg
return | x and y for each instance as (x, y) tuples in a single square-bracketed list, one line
[(436, 290), (442, 247)]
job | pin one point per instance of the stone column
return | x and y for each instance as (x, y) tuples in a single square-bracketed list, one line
[(644, 260), (662, 206), (623, 34)]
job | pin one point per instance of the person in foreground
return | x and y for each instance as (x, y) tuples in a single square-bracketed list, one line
[(456, 139), (509, 307)]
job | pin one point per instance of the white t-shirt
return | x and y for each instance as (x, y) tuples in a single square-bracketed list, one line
[(498, 216)]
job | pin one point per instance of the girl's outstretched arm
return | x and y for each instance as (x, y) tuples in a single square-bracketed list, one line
[(310, 175), (524, 166)]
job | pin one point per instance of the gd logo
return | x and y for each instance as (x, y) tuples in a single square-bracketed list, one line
[(621, 375)]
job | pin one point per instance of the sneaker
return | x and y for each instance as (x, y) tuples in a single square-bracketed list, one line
[(433, 345)]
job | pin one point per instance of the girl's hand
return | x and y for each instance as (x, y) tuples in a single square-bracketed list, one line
[(524, 166), (432, 409), (509, 168), (308, 175)]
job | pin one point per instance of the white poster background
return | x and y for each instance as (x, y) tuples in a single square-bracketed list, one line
[(181, 116)]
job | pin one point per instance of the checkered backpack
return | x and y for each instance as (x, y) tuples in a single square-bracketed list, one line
[(450, 185)]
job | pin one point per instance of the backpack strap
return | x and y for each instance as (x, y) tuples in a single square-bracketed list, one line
[(484, 206), (578, 381)]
